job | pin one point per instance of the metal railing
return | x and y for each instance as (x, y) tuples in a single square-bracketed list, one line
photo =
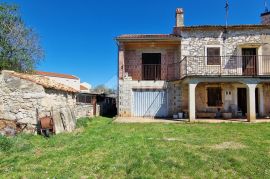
[(225, 66), (202, 66), (151, 71)]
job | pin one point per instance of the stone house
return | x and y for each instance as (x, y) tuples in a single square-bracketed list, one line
[(25, 98), (85, 105), (204, 71)]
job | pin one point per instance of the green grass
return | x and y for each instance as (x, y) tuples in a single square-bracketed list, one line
[(100, 148)]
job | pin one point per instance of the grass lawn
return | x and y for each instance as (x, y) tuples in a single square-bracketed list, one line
[(100, 148)]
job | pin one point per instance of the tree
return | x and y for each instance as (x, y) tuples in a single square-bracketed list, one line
[(19, 45), (104, 89)]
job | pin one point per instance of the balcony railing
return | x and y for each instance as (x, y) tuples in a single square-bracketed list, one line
[(151, 71), (200, 66), (225, 66)]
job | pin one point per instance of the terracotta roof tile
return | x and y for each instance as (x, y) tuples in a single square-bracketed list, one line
[(147, 36), (83, 87), (43, 81), (51, 74), (220, 27)]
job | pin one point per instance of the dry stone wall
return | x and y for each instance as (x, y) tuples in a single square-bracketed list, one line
[(86, 110), (24, 102)]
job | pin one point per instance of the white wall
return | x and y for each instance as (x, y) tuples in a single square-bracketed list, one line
[(73, 83)]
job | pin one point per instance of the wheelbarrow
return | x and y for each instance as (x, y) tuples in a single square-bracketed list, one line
[(47, 126)]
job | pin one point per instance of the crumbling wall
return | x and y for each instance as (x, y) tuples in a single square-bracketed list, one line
[(24, 101)]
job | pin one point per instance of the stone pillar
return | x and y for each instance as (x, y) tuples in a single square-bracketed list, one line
[(192, 101), (251, 102)]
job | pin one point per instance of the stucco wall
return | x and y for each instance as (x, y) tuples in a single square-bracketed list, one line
[(24, 101), (266, 98), (229, 101)]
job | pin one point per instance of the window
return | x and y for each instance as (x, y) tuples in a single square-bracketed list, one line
[(214, 96), (213, 55), (84, 98), (151, 66)]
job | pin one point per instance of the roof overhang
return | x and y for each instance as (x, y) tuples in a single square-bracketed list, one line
[(220, 27), (135, 41), (147, 37)]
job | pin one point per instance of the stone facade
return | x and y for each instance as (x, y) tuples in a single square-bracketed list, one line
[(194, 44), (188, 62), (25, 101), (265, 18), (127, 86), (86, 110)]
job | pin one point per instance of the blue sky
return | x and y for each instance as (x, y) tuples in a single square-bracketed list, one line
[(78, 35)]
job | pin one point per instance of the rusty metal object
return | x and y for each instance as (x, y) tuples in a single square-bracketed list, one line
[(47, 126)]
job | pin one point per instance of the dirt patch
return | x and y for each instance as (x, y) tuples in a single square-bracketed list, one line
[(228, 145), (165, 139), (8, 128)]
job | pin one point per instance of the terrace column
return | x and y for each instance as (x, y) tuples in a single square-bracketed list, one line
[(192, 101), (251, 102)]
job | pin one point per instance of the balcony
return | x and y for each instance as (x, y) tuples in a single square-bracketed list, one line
[(151, 72), (225, 66)]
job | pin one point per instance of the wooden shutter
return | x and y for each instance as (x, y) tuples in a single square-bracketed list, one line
[(213, 56)]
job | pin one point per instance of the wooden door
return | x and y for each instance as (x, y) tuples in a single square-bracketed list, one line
[(242, 100), (249, 61)]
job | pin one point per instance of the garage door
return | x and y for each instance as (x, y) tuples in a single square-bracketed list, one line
[(150, 103)]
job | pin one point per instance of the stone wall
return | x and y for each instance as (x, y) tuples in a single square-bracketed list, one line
[(86, 110), (195, 42), (25, 101), (175, 98), (126, 87), (265, 18)]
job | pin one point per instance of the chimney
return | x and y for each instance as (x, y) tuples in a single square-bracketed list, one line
[(265, 18), (179, 17)]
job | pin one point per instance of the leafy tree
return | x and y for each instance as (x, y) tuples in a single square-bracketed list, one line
[(19, 45)]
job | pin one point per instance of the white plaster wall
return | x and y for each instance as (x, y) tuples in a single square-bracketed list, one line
[(73, 83)]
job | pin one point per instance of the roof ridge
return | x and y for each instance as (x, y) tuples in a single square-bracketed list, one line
[(53, 74)]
